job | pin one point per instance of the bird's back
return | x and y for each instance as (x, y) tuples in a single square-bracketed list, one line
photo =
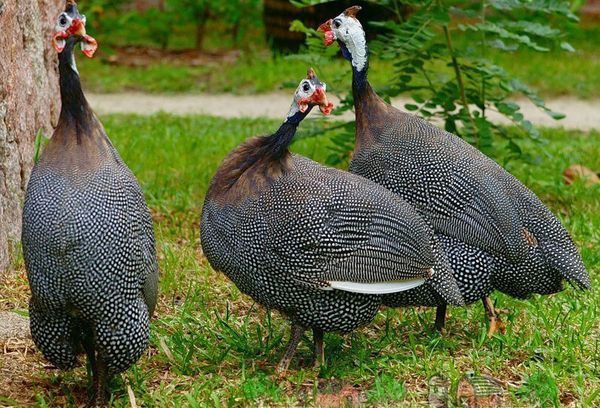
[(469, 197), (88, 243)]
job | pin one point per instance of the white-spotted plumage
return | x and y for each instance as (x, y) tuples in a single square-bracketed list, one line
[(316, 243), (496, 233), (88, 241)]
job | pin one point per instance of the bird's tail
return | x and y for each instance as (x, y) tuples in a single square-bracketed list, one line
[(441, 287), (551, 243), (564, 258), (124, 336)]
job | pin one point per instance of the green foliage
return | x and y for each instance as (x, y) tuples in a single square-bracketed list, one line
[(457, 83), (386, 389), (120, 24), (38, 146), (541, 388)]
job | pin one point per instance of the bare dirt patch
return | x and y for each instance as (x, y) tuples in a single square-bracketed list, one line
[(580, 114)]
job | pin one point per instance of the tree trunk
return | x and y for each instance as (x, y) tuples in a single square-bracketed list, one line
[(29, 102), (201, 19)]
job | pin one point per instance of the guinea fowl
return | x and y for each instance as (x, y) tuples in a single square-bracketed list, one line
[(316, 243), (87, 237), (496, 232)]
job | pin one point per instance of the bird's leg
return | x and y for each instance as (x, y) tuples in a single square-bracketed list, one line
[(99, 396), (440, 317), (495, 323), (290, 349), (319, 349), (88, 345)]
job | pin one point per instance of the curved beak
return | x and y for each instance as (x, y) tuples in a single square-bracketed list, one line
[(329, 35)]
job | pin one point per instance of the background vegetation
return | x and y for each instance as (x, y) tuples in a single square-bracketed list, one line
[(241, 61)]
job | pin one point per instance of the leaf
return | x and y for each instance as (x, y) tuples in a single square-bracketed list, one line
[(417, 98), (534, 28), (567, 47), (501, 45), (499, 29), (411, 107), (556, 115), (38, 145)]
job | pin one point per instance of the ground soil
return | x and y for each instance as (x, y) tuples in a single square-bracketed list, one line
[(581, 114)]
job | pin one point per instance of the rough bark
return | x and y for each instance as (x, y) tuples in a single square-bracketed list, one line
[(29, 102)]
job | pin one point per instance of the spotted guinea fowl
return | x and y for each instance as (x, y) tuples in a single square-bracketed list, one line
[(318, 244), (87, 236), (496, 232)]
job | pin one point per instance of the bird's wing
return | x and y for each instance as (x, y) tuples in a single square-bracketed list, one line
[(454, 186), (142, 238), (351, 235)]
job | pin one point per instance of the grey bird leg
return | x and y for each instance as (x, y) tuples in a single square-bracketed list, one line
[(319, 349), (495, 323), (440, 317), (290, 349), (88, 345), (99, 391), (100, 387)]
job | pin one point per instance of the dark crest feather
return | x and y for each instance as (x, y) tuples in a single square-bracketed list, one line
[(352, 11)]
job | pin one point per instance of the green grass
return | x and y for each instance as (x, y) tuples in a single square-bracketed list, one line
[(559, 73), (252, 73), (552, 74), (212, 346)]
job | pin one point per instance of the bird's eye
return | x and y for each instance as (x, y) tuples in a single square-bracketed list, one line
[(62, 20), (337, 23), (305, 87)]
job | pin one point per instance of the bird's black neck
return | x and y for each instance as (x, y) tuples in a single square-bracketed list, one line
[(275, 146), (74, 106), (256, 162), (360, 84)]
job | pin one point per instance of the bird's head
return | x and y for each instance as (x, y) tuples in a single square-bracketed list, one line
[(345, 28), (348, 31), (70, 26), (312, 92)]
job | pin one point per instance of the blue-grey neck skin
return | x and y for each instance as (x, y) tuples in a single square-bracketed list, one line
[(75, 107), (297, 117)]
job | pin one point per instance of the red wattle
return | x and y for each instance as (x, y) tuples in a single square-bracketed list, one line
[(329, 38)]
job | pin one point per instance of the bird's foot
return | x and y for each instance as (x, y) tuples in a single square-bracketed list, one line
[(282, 367), (290, 350), (496, 325), (98, 400)]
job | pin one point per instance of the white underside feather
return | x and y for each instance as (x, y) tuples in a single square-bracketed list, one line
[(378, 288)]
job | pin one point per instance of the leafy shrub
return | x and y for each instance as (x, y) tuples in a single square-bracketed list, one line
[(454, 81), (156, 24)]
